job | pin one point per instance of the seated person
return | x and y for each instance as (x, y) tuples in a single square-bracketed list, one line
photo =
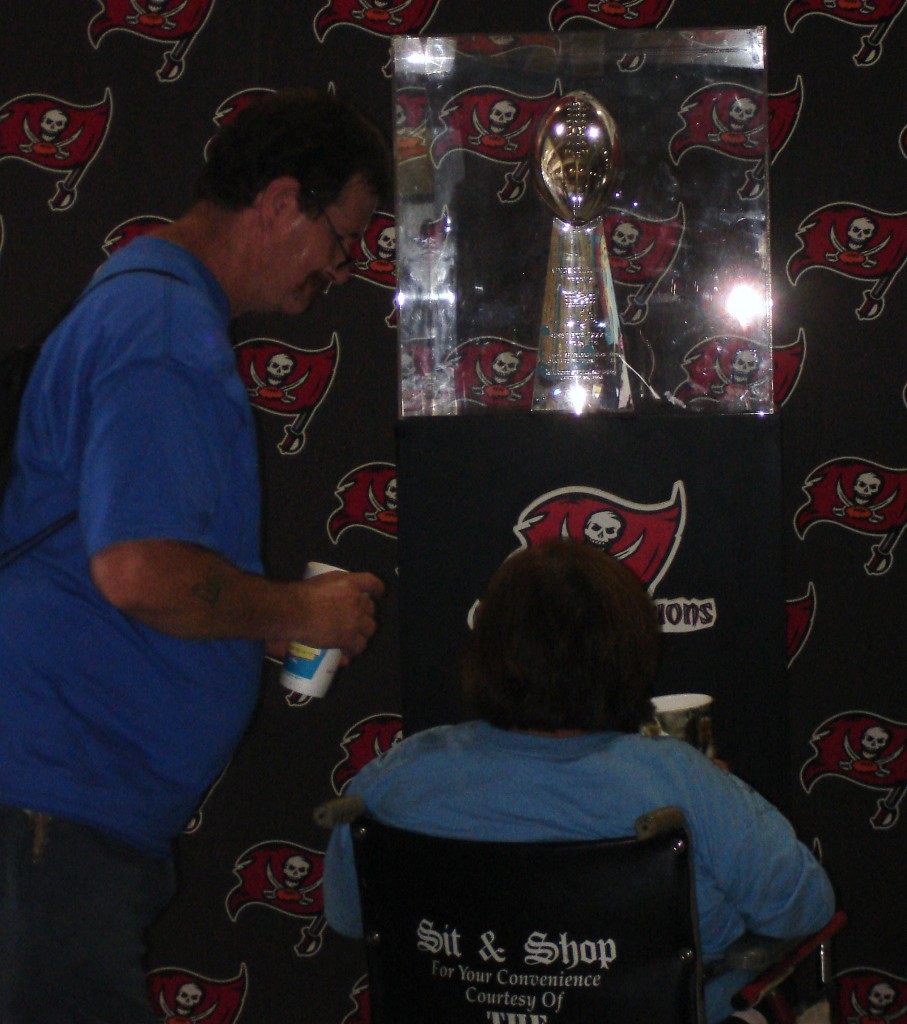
[(558, 674)]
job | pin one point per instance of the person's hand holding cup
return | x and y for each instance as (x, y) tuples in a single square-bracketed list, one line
[(309, 670)]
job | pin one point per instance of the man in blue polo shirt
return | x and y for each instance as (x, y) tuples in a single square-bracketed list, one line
[(132, 637)]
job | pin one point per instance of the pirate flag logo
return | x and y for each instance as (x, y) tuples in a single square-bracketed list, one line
[(495, 124), (868, 996), (727, 374), (361, 1013), (861, 496), (787, 366), (800, 613), (287, 878), (287, 381), (425, 386), (494, 373), (363, 742), (367, 497), (374, 256), (867, 750), (177, 995), (130, 229), (734, 120), (410, 124), (233, 105), (641, 250), (162, 21), (617, 14), (644, 537), (877, 15), (858, 242), (55, 136), (377, 17)]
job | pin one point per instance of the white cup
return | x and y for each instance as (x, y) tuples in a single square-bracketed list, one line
[(310, 670), (686, 716)]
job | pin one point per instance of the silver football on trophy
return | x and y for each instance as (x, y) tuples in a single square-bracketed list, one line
[(574, 157)]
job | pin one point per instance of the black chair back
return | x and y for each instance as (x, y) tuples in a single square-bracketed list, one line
[(529, 933)]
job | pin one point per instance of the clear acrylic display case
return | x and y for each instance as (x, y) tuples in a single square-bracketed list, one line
[(685, 231)]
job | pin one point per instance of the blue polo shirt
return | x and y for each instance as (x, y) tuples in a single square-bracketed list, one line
[(136, 418)]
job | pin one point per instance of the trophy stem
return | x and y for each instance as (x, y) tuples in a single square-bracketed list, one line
[(581, 365)]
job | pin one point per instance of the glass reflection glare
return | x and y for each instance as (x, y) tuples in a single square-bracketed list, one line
[(745, 304)]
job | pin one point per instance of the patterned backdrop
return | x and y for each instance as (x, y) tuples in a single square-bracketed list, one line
[(106, 107)]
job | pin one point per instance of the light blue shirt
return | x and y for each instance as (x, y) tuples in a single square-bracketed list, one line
[(474, 781)]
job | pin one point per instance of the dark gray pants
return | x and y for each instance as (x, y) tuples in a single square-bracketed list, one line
[(74, 904)]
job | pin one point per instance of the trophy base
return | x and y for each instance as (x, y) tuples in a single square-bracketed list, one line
[(579, 394)]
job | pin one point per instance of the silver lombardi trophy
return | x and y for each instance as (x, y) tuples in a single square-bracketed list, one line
[(581, 366)]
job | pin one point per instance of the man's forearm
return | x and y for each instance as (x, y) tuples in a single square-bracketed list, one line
[(193, 593)]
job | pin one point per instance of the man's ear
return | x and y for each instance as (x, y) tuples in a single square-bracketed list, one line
[(279, 200)]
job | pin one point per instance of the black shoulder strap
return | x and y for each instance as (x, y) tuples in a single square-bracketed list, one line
[(33, 540)]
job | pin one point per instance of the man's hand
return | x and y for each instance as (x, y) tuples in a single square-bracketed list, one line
[(336, 609)]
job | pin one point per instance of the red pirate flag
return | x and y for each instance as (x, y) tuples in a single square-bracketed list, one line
[(880, 14), (411, 124), (727, 373), (613, 13), (367, 497), (233, 105), (856, 241), (861, 496), (375, 254), (644, 537), (173, 21), (869, 996), (852, 240), (494, 123), (286, 878), (800, 614), (56, 136), (177, 995), (730, 119), (493, 372), (734, 120), (130, 229), (380, 17), (361, 1013), (640, 252), (287, 381), (168, 22), (362, 743), (787, 365), (864, 749)]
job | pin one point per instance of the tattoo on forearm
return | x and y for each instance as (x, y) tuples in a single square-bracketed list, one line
[(210, 589)]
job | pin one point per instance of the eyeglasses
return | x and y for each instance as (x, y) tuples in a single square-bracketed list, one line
[(348, 259)]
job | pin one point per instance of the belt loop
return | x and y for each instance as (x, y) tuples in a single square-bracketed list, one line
[(40, 822)]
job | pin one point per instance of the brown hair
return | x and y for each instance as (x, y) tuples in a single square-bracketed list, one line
[(312, 136), (566, 637)]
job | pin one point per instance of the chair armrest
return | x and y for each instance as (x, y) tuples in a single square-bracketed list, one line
[(340, 811), (757, 952), (790, 952), (663, 819)]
